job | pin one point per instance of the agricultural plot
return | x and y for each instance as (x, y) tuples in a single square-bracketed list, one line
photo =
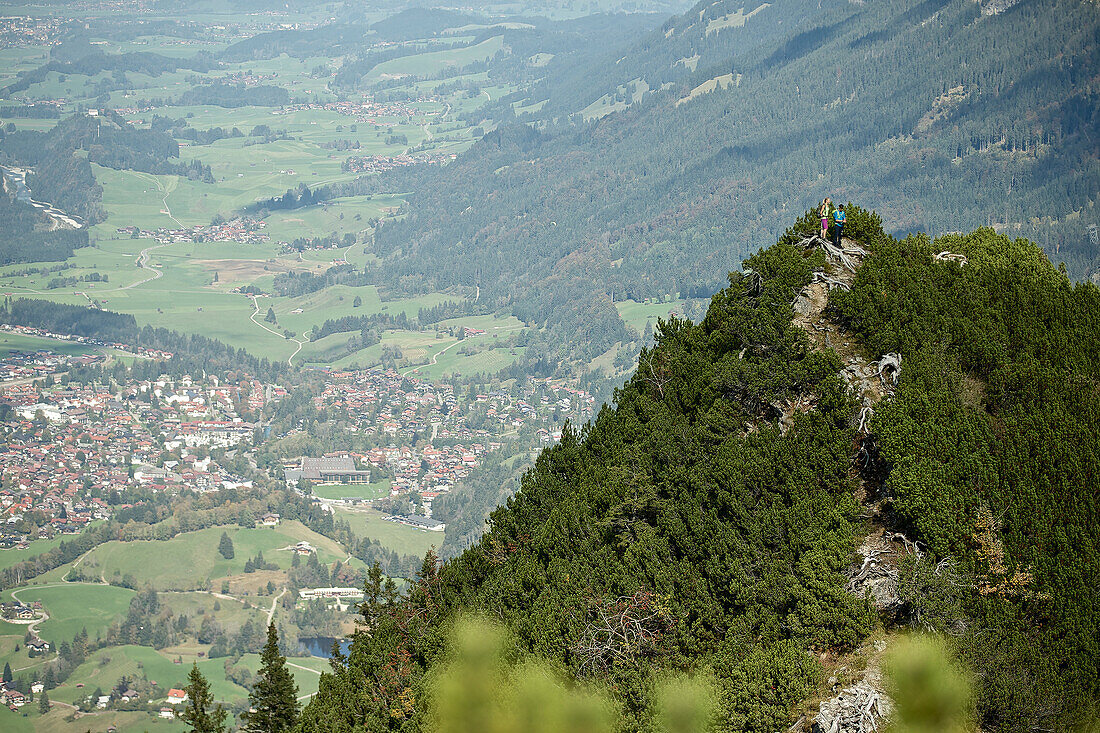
[(14, 653), (400, 538), (72, 607), (341, 216), (488, 361), (59, 720), (17, 342), (365, 492), (177, 288), (105, 666), (435, 61), (637, 315), (191, 560)]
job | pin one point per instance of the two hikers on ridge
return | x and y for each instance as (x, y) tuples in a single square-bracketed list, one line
[(838, 219)]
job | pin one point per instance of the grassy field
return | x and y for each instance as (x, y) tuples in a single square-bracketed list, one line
[(169, 669), (400, 538), (637, 315), (488, 361), (105, 666), (71, 607), (14, 653), (424, 64), (190, 560), (343, 215), (58, 721), (373, 490), (36, 547)]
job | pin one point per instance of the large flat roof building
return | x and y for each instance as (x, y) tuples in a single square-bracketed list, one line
[(327, 471)]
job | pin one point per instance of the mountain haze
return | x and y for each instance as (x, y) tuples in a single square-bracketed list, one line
[(941, 116)]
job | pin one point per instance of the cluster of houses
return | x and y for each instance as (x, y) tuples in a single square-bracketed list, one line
[(248, 78), (364, 111), (16, 610), (33, 364), (383, 402), (95, 343), (380, 163), (14, 698), (438, 435), (20, 30), (67, 447), (242, 230)]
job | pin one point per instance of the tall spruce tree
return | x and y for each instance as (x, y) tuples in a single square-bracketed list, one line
[(274, 698), (196, 712), (225, 546)]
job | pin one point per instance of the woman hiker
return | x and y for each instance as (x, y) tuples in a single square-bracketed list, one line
[(824, 213)]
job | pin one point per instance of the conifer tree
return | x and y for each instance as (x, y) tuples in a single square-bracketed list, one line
[(7, 672), (225, 546), (44, 703), (274, 697), (196, 712)]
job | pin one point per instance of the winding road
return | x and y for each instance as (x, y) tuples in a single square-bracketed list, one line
[(275, 600), (435, 358), (256, 306)]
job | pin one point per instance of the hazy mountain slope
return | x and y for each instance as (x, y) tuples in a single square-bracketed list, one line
[(989, 126)]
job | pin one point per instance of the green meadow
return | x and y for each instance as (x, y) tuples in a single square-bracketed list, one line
[(366, 492), (72, 607), (432, 62), (637, 315), (191, 560), (180, 292), (400, 538), (15, 342)]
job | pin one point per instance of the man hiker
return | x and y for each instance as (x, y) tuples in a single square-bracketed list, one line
[(839, 219)]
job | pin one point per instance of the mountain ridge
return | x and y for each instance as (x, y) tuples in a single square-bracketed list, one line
[(721, 486)]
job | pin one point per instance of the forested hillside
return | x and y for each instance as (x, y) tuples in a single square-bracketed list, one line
[(726, 115), (693, 526)]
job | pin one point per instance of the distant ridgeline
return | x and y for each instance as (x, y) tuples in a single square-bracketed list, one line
[(684, 512), (191, 353)]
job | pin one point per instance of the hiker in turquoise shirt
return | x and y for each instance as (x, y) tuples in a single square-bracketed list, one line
[(838, 220)]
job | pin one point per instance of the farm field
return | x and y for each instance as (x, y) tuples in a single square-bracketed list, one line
[(72, 607), (105, 666), (14, 555), (429, 63), (637, 315), (487, 361), (373, 490), (191, 560), (293, 145), (400, 538)]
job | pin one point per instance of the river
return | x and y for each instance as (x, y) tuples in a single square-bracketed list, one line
[(17, 178)]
